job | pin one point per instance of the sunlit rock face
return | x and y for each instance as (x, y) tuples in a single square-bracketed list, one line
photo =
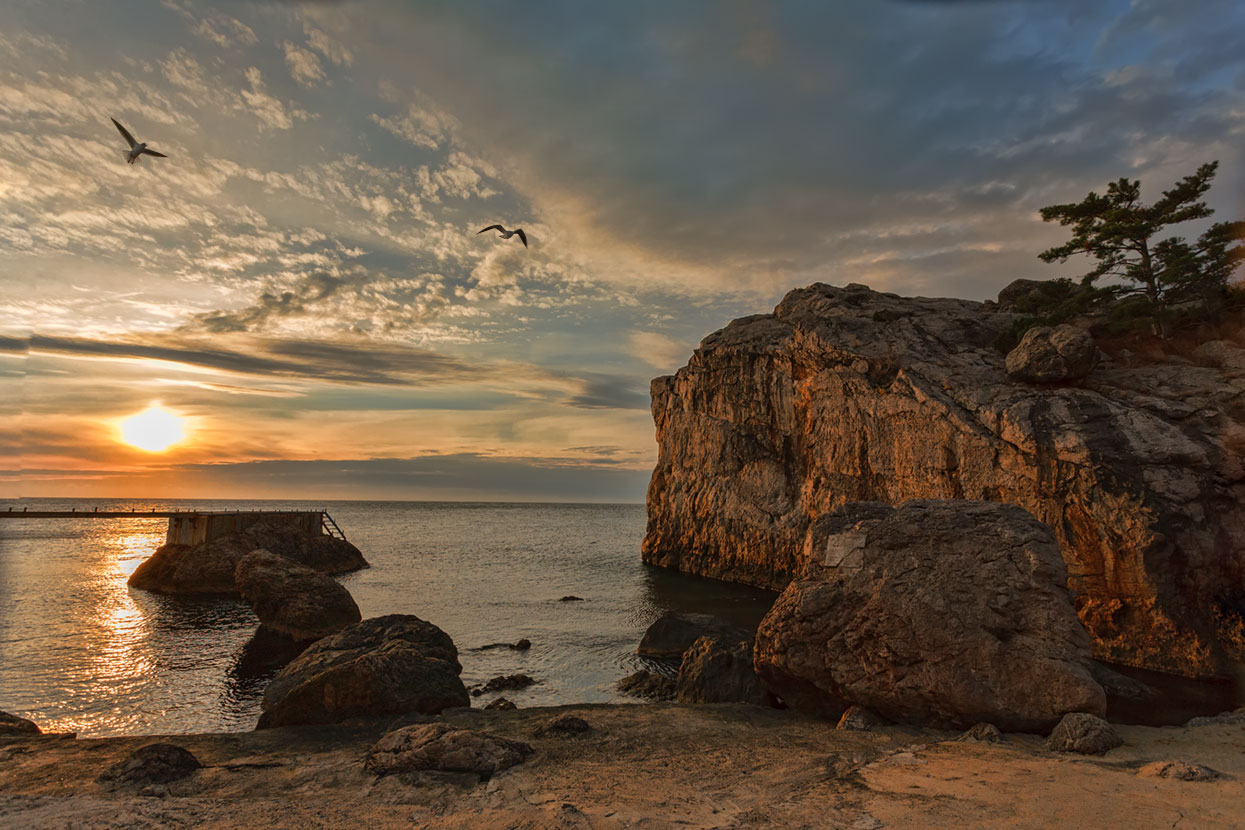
[(847, 394)]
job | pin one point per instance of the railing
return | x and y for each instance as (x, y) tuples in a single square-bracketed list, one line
[(330, 527)]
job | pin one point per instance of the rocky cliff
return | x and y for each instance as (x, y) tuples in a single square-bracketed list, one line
[(847, 394)]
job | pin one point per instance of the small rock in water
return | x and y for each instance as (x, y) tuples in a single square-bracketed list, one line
[(571, 598), (649, 685), (565, 725), (148, 765), (503, 683), (673, 633), (520, 645), (503, 704), (1180, 770), (440, 746), (1084, 733), (13, 725), (985, 732), (860, 719)]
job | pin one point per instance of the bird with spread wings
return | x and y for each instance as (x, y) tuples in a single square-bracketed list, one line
[(137, 148), (505, 234)]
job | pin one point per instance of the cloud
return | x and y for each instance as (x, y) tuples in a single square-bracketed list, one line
[(303, 65), (658, 350), (268, 109), (422, 125)]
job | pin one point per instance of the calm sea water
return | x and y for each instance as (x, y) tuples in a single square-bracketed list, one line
[(80, 651)]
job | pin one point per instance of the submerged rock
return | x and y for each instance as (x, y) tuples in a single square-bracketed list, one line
[(209, 568), (14, 725), (1085, 734), (503, 683), (943, 613), (384, 665), (445, 748), (158, 763), (847, 394), (520, 645), (717, 671), (674, 632), (647, 684), (293, 600)]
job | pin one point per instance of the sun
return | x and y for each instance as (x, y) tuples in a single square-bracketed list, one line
[(155, 429)]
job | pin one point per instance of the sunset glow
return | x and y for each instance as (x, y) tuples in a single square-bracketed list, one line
[(304, 272), (155, 429)]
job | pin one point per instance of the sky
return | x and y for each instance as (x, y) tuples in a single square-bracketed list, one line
[(301, 283)]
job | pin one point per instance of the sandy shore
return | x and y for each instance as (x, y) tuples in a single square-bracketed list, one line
[(644, 766)]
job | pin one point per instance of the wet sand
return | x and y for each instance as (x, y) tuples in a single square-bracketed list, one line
[(643, 766)]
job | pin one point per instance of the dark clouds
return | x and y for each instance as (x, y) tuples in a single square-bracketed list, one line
[(362, 363), (675, 139)]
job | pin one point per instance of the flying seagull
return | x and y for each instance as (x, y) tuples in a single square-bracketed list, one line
[(505, 234), (136, 148)]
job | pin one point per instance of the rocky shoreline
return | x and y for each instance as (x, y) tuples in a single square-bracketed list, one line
[(649, 766)]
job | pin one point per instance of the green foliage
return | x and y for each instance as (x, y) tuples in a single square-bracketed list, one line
[(1117, 230), (1052, 302)]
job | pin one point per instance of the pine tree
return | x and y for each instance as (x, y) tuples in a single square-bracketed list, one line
[(1117, 229)]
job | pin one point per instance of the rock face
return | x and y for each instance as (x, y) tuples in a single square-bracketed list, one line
[(936, 612), (293, 600), (439, 746), (718, 671), (1085, 734), (13, 725), (673, 633), (847, 394), (1052, 355), (385, 665), (151, 764), (209, 568)]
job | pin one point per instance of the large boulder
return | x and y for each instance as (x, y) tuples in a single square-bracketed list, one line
[(944, 613), (847, 394), (385, 665), (1052, 355), (719, 671), (209, 568), (293, 600), (444, 748), (674, 632)]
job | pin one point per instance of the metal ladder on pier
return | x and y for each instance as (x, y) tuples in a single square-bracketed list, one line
[(330, 527)]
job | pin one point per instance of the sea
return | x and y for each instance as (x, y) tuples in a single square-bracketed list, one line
[(82, 652)]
